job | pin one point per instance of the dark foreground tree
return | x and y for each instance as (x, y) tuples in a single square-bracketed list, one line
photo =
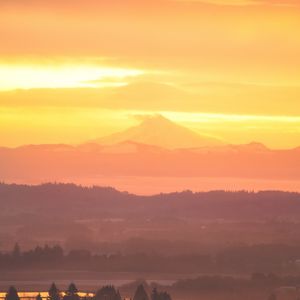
[(72, 293), (108, 293), (12, 294), (38, 297), (53, 292), (164, 296), (72, 290), (160, 295), (118, 297), (140, 293)]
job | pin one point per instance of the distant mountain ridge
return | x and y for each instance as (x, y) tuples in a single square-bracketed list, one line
[(207, 204), (40, 163), (154, 149)]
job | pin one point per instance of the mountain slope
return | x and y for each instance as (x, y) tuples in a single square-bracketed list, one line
[(159, 131)]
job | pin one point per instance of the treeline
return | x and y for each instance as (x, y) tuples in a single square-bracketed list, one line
[(53, 257), (247, 259), (108, 292)]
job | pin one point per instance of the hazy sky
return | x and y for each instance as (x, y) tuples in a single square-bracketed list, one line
[(72, 70)]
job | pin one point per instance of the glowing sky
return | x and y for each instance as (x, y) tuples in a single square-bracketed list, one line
[(71, 71)]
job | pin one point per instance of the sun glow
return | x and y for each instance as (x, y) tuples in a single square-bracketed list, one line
[(64, 76)]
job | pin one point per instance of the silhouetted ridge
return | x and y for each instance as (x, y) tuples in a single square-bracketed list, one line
[(105, 201)]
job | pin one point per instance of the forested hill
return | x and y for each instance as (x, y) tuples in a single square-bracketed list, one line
[(73, 202)]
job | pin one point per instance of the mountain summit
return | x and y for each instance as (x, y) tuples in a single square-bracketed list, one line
[(160, 131)]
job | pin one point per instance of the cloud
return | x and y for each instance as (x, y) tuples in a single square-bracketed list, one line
[(218, 97)]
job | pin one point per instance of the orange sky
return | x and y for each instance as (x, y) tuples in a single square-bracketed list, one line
[(71, 71)]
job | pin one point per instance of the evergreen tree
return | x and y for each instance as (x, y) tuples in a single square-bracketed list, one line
[(140, 293), (108, 293), (71, 293), (72, 290), (165, 296), (54, 292), (118, 296), (160, 295), (12, 294)]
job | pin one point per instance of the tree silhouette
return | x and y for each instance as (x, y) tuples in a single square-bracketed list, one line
[(140, 293), (72, 293), (160, 296), (72, 290), (108, 293), (12, 294), (154, 294), (118, 296), (54, 292), (165, 296)]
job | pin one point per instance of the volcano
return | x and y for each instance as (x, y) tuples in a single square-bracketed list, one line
[(160, 131)]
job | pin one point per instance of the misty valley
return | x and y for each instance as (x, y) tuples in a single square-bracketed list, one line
[(208, 245)]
